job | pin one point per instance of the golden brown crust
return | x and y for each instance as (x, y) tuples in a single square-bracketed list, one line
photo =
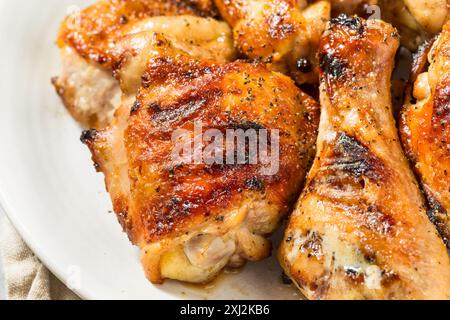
[(260, 31), (425, 132), (190, 193), (163, 203), (103, 49), (360, 229), (416, 20), (278, 32), (92, 31)]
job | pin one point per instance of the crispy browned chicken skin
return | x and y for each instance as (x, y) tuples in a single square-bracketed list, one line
[(282, 33), (191, 220), (104, 47), (416, 20), (425, 130), (360, 229)]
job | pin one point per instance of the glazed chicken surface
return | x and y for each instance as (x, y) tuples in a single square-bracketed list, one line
[(193, 218), (425, 130), (105, 46), (283, 33), (360, 229), (416, 20)]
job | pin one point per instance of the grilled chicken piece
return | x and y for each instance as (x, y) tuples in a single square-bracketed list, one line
[(360, 229), (425, 131), (191, 220), (416, 20), (430, 14), (97, 42), (283, 33)]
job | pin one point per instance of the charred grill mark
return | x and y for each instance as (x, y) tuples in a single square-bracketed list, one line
[(346, 53), (342, 180), (178, 69), (178, 205), (236, 125), (186, 107), (175, 207), (351, 157), (331, 65), (135, 108), (155, 107), (353, 23), (245, 125), (255, 183), (183, 111), (439, 217), (88, 136)]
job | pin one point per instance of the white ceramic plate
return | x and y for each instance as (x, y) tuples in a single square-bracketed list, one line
[(48, 186)]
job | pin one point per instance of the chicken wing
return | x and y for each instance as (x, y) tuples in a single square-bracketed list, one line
[(283, 33), (193, 218), (360, 229), (425, 131), (97, 42)]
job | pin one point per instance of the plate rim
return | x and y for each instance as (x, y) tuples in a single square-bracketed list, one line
[(34, 247)]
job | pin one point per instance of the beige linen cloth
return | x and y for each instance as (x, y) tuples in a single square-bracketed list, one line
[(25, 276)]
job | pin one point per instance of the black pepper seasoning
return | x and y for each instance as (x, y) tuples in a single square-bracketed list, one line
[(303, 65)]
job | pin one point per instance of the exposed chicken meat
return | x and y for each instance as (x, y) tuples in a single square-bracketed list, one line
[(360, 229), (425, 130), (192, 219)]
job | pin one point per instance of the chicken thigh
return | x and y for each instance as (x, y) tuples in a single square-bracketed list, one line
[(360, 229), (103, 49), (425, 131), (191, 216)]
